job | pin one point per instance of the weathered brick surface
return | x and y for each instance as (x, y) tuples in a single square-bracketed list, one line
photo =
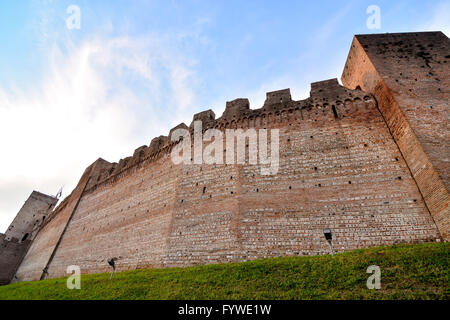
[(47, 239), (409, 75), (204, 227), (11, 255), (340, 168), (128, 219), (30, 217), (17, 239), (345, 173)]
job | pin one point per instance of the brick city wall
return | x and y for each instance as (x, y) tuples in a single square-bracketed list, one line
[(357, 162), (128, 218), (339, 169), (344, 173)]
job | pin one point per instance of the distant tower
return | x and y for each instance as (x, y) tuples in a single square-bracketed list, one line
[(30, 217)]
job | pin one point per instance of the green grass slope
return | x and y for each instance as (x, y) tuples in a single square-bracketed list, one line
[(407, 272)]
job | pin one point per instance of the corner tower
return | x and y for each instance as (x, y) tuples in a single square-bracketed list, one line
[(15, 242), (32, 214), (409, 74)]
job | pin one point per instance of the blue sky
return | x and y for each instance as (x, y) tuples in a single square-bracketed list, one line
[(137, 68)]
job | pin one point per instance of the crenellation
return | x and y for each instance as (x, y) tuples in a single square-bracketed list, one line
[(207, 118), (180, 126), (235, 109), (157, 143), (239, 115), (139, 154), (276, 99)]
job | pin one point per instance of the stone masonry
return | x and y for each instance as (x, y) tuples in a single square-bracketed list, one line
[(368, 160), (409, 75), (17, 239)]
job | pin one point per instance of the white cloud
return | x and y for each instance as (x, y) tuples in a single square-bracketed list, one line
[(100, 99)]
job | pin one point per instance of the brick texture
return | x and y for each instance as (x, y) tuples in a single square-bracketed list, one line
[(409, 75), (17, 239), (30, 217), (345, 164), (339, 168), (11, 255)]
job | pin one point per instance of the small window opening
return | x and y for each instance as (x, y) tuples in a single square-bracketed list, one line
[(25, 236), (334, 111)]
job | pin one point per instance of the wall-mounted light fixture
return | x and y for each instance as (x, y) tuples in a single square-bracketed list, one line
[(112, 263)]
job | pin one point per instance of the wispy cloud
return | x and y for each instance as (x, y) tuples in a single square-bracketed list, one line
[(440, 20), (102, 98)]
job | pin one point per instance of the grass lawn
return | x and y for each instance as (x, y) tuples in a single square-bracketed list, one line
[(407, 272)]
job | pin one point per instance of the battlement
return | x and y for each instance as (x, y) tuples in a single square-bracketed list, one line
[(277, 98), (349, 161), (326, 89), (329, 101), (180, 126), (235, 109), (206, 117)]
